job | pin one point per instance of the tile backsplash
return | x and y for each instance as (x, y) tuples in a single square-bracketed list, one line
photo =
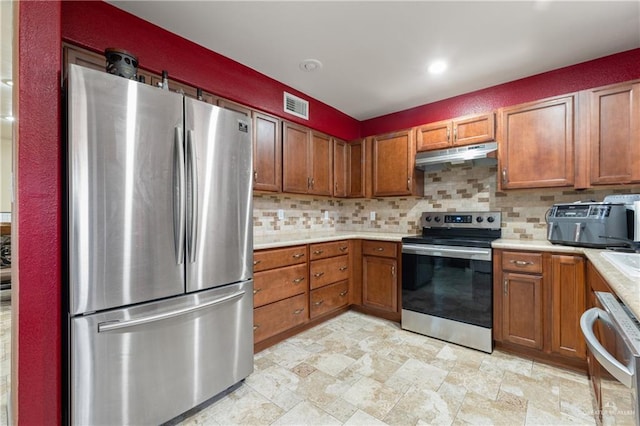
[(456, 188)]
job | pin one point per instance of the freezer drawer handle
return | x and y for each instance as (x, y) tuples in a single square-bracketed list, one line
[(608, 361), (110, 326)]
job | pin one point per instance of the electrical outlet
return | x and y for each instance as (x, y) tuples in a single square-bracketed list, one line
[(280, 214), (372, 216), (326, 215)]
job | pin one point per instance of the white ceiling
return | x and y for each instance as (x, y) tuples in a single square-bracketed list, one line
[(375, 53)]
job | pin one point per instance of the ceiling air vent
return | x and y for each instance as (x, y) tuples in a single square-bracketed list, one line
[(296, 106)]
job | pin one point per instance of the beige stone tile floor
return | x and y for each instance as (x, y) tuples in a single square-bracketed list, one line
[(360, 370)]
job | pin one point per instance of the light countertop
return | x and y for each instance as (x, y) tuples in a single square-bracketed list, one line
[(285, 239)]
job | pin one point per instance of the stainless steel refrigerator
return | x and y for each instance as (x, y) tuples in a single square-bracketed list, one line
[(160, 247)]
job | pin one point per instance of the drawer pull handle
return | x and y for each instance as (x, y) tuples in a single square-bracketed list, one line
[(255, 327), (344, 293), (343, 268), (257, 290), (521, 262), (318, 303), (298, 280), (318, 251), (318, 274), (379, 248), (255, 262), (393, 271), (343, 248), (506, 287), (298, 255), (298, 311)]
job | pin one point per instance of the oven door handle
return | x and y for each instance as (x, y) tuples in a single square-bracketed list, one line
[(608, 361), (440, 251)]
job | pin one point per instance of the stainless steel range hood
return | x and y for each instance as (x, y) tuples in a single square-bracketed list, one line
[(481, 154)]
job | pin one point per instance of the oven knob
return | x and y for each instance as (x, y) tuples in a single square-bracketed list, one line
[(428, 218), (437, 219), (479, 219), (490, 219)]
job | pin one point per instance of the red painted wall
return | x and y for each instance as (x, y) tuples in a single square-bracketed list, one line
[(98, 25), (37, 296), (599, 72)]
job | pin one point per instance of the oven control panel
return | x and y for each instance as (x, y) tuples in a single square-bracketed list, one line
[(482, 220)]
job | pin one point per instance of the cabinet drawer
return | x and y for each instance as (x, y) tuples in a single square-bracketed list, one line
[(324, 250), (522, 262), (327, 271), (277, 317), (329, 298), (276, 258), (277, 284), (379, 248)]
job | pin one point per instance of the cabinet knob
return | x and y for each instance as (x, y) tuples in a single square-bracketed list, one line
[(298, 255), (393, 271), (344, 293), (504, 175), (318, 303), (318, 251), (255, 175), (343, 268), (343, 248), (318, 274), (521, 262), (448, 134), (257, 290), (298, 280), (379, 248), (298, 311), (506, 287), (455, 134), (255, 327), (255, 262)]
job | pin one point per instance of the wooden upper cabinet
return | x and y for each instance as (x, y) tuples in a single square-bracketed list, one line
[(356, 169), (460, 131), (307, 161), (536, 144), (227, 104), (295, 148), (394, 172), (340, 168), (267, 153), (321, 161), (614, 134), (75, 55)]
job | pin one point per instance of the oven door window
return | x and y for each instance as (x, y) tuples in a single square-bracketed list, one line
[(451, 288)]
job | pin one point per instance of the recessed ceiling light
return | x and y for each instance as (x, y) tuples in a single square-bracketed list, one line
[(310, 65), (437, 67), (7, 81)]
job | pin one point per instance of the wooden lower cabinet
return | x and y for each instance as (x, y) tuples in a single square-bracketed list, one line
[(278, 317), (538, 300), (277, 284), (522, 309), (329, 298), (380, 272)]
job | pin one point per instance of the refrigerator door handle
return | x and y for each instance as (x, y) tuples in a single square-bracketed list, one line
[(179, 205), (193, 195), (117, 325)]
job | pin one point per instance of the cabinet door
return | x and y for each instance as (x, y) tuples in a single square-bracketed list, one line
[(267, 153), (434, 136), (380, 283), (536, 146), (356, 166), (614, 136), (522, 309), (295, 149), (568, 304), (393, 164), (321, 164), (474, 129), (340, 168)]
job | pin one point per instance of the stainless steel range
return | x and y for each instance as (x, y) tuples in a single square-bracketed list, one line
[(447, 278)]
